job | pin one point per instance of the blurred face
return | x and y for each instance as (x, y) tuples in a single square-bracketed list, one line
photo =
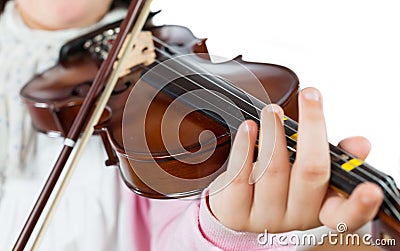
[(61, 14)]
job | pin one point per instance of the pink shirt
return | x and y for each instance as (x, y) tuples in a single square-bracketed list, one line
[(186, 225)]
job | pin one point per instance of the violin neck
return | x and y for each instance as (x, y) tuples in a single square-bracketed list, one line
[(203, 91), (347, 171)]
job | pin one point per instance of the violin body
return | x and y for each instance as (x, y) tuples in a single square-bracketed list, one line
[(133, 136)]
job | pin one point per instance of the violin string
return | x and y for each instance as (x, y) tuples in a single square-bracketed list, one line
[(390, 206), (203, 88), (391, 182), (387, 201), (372, 176), (245, 101), (337, 165), (377, 179)]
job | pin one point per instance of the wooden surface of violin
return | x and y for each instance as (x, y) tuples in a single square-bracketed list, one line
[(54, 98)]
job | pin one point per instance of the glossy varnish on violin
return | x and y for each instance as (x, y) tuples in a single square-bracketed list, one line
[(54, 98)]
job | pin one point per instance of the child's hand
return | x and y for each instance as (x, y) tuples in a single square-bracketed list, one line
[(285, 198)]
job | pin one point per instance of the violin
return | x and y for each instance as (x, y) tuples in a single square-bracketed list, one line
[(169, 122), (63, 94)]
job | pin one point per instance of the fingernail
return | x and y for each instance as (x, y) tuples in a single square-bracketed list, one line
[(312, 94), (245, 127), (275, 109), (270, 108)]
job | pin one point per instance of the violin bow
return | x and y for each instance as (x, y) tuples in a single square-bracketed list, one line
[(92, 108)]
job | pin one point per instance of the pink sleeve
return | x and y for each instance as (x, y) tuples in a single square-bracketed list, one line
[(228, 239), (187, 224)]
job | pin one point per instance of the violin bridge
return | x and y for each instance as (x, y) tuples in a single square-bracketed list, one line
[(143, 52)]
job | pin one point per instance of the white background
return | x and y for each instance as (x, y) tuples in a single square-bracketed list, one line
[(347, 49)]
